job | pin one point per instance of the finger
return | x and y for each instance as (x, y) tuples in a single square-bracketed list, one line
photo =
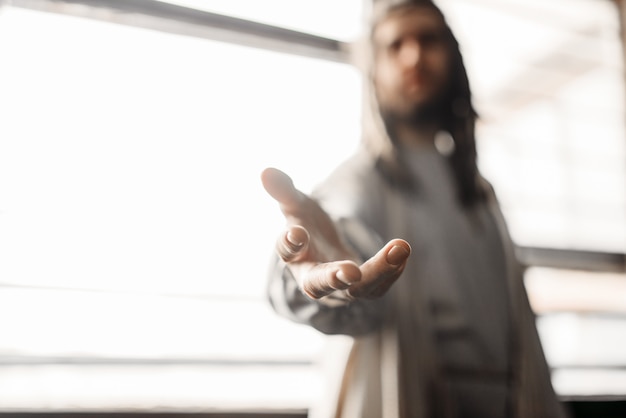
[(381, 271), (325, 278), (293, 243), (280, 186)]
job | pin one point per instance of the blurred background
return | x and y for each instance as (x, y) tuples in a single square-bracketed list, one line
[(135, 234)]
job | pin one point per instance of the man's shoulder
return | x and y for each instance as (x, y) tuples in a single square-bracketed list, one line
[(355, 183), (488, 189), (359, 167)]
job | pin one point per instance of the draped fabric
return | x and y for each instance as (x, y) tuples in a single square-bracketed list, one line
[(393, 365), (454, 336)]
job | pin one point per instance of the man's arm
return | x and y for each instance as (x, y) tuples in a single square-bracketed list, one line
[(356, 317), (324, 268)]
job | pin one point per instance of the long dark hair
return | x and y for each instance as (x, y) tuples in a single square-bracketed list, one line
[(458, 119)]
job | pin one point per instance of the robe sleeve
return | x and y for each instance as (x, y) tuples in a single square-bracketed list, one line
[(333, 315)]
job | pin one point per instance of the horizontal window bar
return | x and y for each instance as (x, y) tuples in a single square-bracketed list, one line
[(165, 361), (572, 259), (182, 20)]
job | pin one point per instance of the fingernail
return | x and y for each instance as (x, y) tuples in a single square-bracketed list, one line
[(292, 240), (342, 277), (397, 255)]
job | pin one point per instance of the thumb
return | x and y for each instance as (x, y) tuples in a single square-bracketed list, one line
[(280, 186)]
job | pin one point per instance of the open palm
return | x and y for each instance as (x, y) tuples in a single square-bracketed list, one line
[(319, 260)]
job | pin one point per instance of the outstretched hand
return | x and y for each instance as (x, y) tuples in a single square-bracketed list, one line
[(320, 262)]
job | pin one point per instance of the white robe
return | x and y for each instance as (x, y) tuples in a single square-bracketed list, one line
[(454, 336)]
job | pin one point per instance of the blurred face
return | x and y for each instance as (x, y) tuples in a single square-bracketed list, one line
[(412, 61)]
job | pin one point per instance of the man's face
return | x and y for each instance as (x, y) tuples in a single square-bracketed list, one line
[(412, 61)]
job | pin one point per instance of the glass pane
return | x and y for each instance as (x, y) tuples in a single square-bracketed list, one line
[(549, 86), (134, 230), (130, 159), (582, 325)]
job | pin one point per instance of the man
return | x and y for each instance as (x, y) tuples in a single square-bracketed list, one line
[(404, 248)]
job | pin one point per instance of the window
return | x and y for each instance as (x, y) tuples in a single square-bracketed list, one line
[(134, 230), (135, 234), (548, 79)]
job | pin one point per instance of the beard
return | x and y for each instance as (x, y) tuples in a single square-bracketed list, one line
[(416, 115)]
